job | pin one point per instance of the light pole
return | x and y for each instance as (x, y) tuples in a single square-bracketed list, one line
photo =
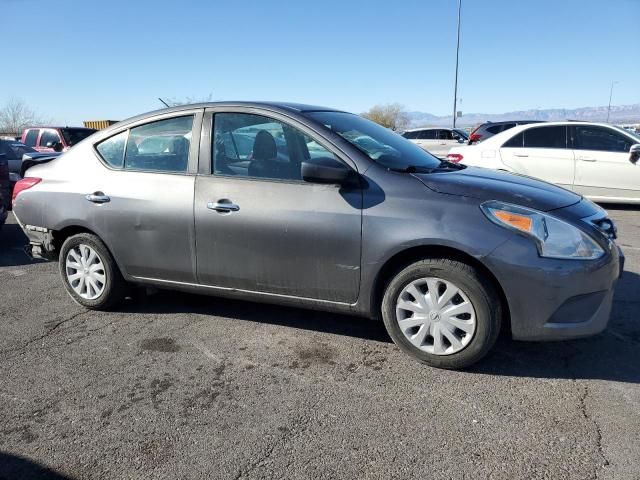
[(455, 88), (610, 96)]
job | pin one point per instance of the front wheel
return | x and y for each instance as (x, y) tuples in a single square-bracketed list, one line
[(442, 312), (89, 273)]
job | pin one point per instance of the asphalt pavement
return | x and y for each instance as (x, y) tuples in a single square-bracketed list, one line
[(173, 385)]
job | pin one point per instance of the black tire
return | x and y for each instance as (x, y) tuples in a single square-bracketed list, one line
[(480, 292), (115, 287)]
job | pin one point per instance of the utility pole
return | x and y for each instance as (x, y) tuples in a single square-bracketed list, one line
[(455, 89), (610, 96)]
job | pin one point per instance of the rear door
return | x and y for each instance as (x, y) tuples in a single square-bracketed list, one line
[(428, 139), (259, 226), (143, 200), (541, 152), (603, 169), (444, 142)]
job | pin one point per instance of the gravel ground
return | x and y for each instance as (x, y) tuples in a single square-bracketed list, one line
[(181, 386)]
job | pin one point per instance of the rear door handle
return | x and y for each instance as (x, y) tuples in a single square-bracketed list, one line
[(521, 155), (223, 207), (587, 159), (98, 197)]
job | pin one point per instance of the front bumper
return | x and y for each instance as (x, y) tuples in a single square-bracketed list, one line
[(552, 299)]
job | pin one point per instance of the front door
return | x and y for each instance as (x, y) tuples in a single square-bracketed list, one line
[(603, 169), (541, 152), (260, 227)]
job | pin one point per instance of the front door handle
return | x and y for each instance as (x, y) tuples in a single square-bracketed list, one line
[(587, 159), (98, 197), (224, 207)]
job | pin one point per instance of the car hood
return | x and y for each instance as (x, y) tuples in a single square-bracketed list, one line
[(485, 184)]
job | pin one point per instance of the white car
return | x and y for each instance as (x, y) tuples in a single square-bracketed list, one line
[(437, 141), (592, 159)]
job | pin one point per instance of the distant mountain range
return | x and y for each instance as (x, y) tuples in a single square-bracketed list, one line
[(621, 114)]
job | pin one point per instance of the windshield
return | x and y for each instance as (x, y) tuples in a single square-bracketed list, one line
[(380, 144), (462, 133), (630, 132), (75, 135)]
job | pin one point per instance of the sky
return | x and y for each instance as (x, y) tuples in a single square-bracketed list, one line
[(111, 59)]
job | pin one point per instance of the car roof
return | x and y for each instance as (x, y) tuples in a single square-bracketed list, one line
[(420, 129), (504, 122), (282, 106), (57, 128), (502, 136)]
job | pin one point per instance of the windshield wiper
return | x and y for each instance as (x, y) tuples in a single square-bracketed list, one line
[(413, 169), (443, 166), (447, 165)]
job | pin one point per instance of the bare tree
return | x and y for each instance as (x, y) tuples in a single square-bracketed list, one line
[(15, 116), (392, 116)]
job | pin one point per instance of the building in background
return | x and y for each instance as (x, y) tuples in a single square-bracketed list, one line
[(99, 124)]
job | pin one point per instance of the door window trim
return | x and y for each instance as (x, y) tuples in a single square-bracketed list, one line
[(194, 145), (205, 165)]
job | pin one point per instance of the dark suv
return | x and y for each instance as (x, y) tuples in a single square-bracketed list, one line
[(489, 129)]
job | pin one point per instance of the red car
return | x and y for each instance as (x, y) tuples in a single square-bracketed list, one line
[(54, 139)]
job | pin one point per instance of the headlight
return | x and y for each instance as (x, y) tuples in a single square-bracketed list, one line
[(555, 238)]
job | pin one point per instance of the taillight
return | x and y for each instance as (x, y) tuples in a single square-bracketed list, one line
[(474, 137), (22, 185), (455, 157)]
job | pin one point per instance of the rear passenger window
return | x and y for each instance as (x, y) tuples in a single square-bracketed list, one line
[(495, 129), (410, 135), (445, 135), (514, 142), (427, 135), (546, 137), (112, 149), (31, 138), (161, 146)]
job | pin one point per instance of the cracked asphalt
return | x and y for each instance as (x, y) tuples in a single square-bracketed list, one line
[(182, 386)]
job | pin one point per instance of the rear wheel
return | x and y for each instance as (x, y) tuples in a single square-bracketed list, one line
[(442, 312), (89, 272)]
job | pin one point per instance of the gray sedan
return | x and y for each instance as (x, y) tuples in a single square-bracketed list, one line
[(313, 207)]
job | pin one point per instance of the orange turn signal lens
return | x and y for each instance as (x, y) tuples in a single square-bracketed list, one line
[(521, 222)]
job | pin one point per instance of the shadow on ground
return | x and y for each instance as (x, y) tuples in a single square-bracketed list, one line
[(12, 242), (13, 467), (612, 355)]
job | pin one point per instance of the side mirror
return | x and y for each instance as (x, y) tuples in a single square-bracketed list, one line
[(326, 170), (634, 153), (460, 140)]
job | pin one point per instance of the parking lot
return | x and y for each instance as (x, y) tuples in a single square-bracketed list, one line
[(181, 386)]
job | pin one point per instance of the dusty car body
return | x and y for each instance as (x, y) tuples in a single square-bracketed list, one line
[(407, 238)]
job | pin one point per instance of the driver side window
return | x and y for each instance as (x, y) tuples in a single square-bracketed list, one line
[(255, 146), (601, 139)]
